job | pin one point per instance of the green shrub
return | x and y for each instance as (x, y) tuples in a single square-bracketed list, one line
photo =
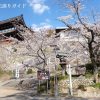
[(97, 85), (52, 78), (89, 68), (42, 87), (29, 71)]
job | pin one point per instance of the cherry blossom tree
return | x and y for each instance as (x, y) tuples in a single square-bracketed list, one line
[(89, 30), (37, 45)]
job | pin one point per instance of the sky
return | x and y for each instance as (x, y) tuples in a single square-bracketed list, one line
[(40, 13)]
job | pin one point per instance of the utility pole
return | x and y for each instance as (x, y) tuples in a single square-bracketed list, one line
[(55, 78), (55, 49), (70, 80), (56, 82)]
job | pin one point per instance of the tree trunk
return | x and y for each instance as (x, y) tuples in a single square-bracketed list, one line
[(93, 61), (63, 72)]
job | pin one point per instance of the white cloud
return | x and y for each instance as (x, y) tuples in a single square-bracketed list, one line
[(43, 25), (47, 20), (65, 18), (38, 6)]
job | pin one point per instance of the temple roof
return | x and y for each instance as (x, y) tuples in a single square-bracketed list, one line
[(57, 30), (8, 27), (6, 24)]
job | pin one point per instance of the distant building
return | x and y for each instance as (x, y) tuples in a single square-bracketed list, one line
[(69, 43), (10, 28), (68, 35), (12, 33)]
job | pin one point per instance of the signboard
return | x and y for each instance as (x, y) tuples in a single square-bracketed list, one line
[(17, 73), (42, 75)]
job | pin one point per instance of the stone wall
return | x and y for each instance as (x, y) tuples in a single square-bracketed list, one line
[(64, 84)]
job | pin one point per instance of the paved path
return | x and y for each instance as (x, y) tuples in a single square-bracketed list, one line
[(12, 94), (6, 91), (9, 93), (28, 97)]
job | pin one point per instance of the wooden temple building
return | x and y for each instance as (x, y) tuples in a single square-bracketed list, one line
[(10, 28)]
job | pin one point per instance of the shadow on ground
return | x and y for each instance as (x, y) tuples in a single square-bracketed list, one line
[(30, 96)]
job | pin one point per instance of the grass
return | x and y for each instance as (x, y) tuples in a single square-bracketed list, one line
[(59, 68), (88, 75), (61, 77), (1, 73), (42, 88), (96, 85), (5, 74)]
